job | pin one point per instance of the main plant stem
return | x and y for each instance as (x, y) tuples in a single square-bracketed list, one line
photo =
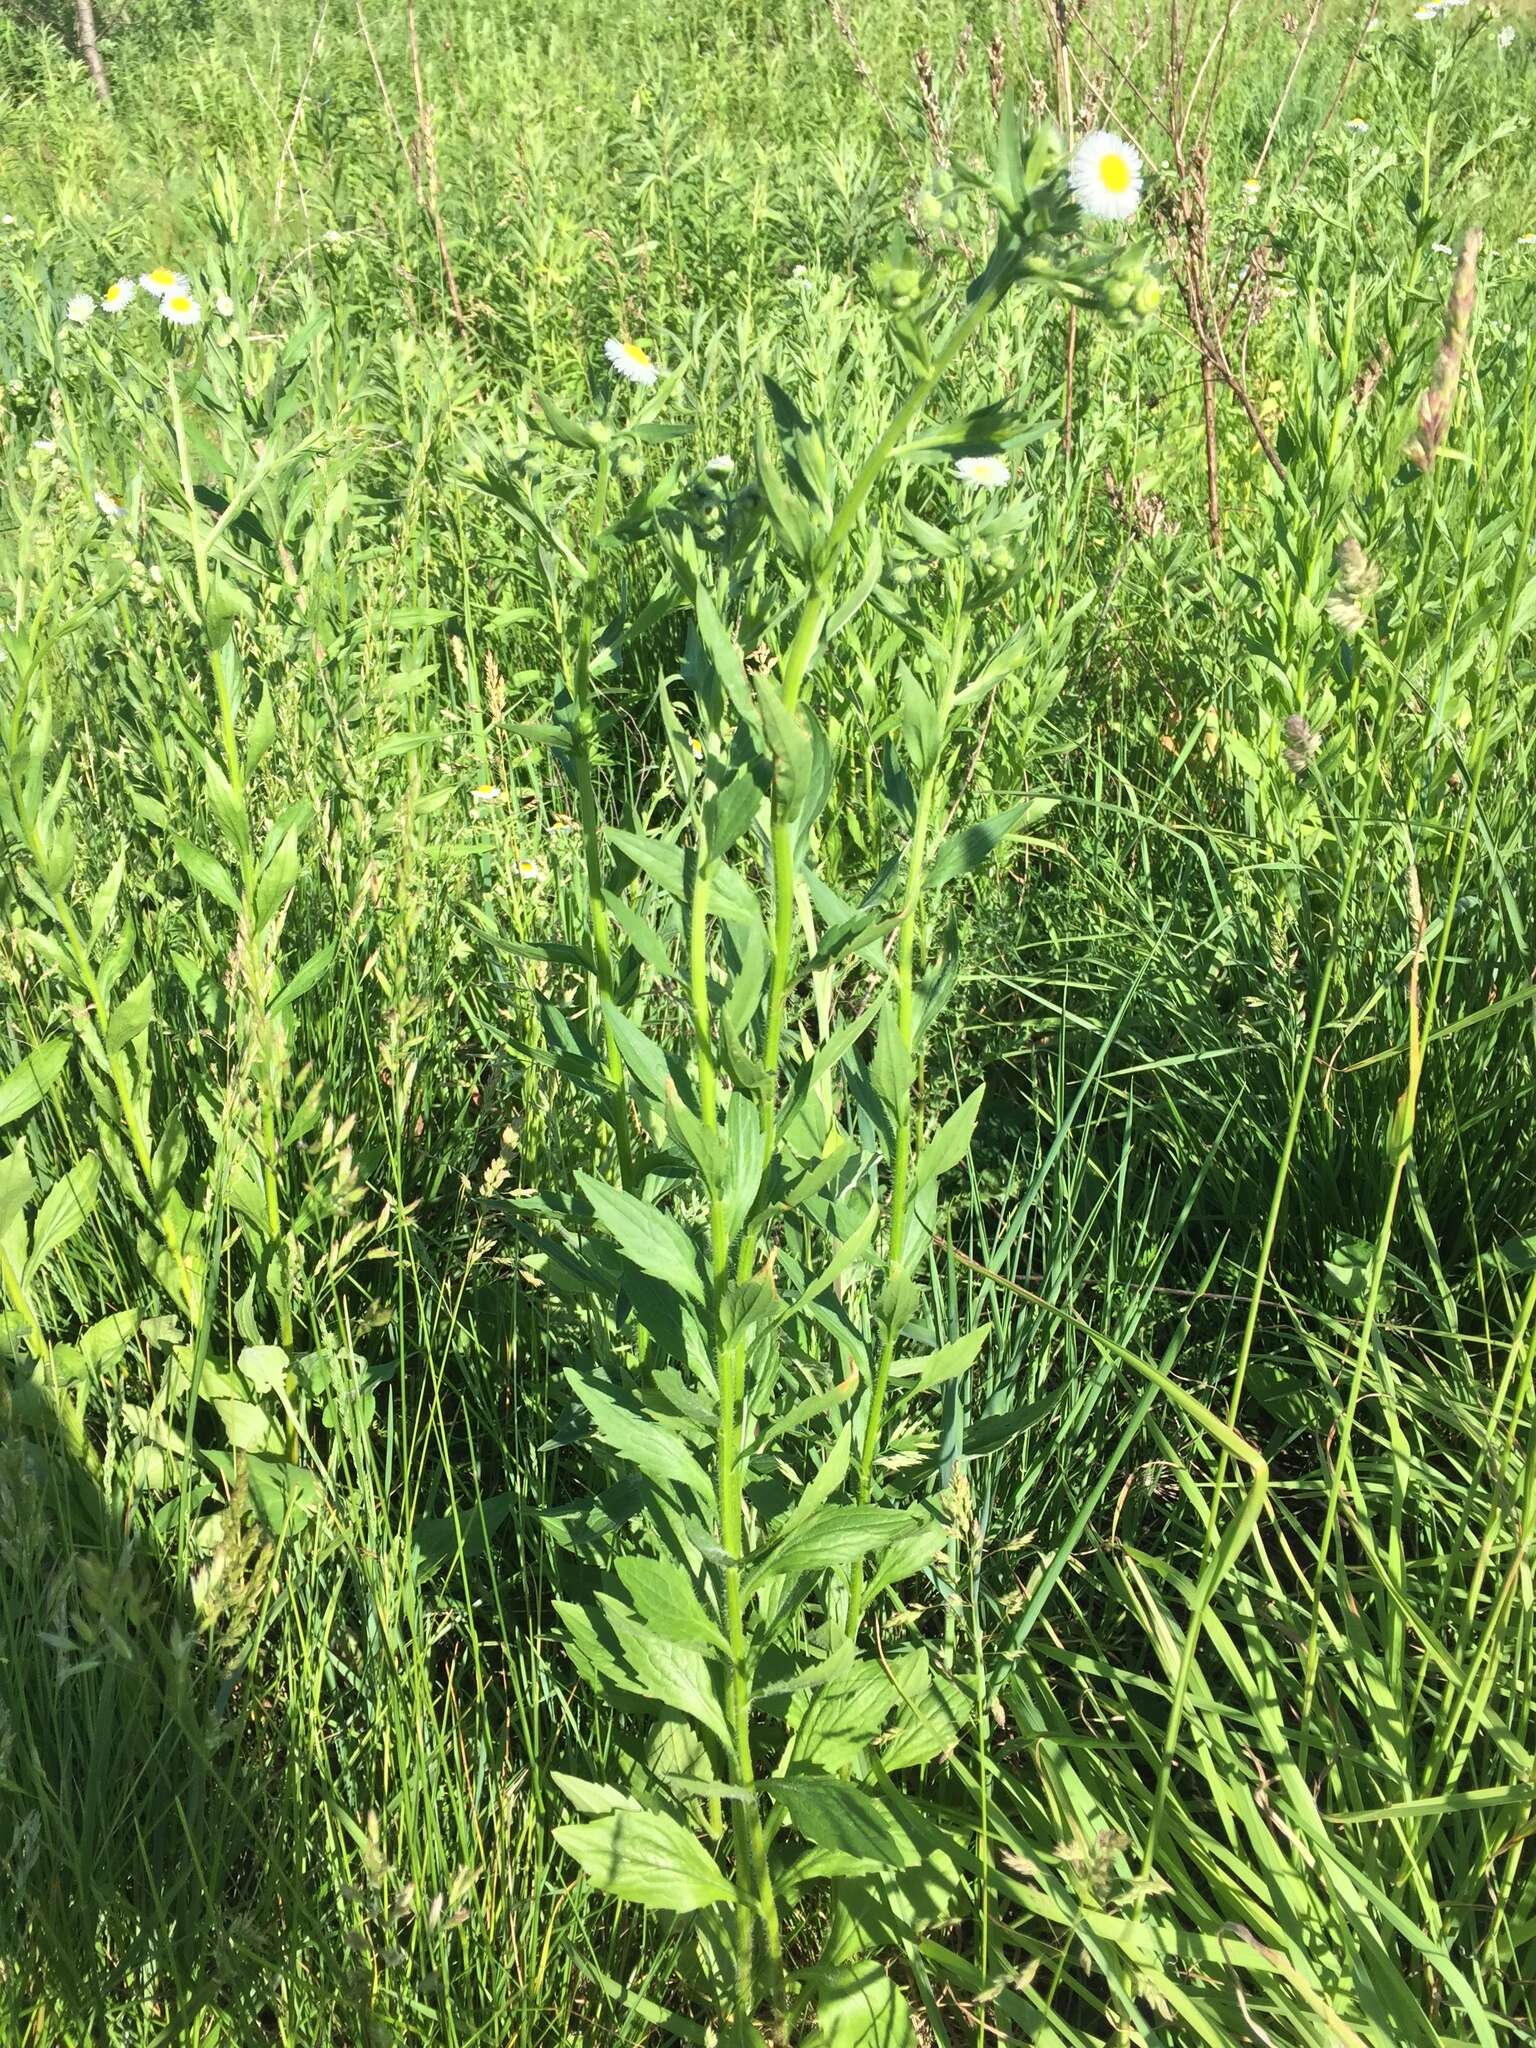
[(755, 1896), (591, 839)]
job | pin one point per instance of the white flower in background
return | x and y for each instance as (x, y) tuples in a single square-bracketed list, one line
[(7, 220), (117, 297), (158, 282), (1525, 241), (107, 505), (1446, 5), (720, 465), (1442, 248), (44, 447), (486, 793), (1251, 190), (982, 472), (1357, 126), (180, 309), (80, 308), (1506, 37), (1427, 13), (629, 361), (224, 306), (1105, 176), (529, 870), (695, 747)]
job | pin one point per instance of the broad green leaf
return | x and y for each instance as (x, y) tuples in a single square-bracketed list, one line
[(648, 1444), (675, 1675), (131, 1016), (666, 1600), (209, 874), (918, 1375), (587, 1797), (860, 2007), (649, 1239), (67, 1205), (304, 978), (950, 1142), (965, 851), (647, 1858), (835, 1814), (28, 1082), (832, 1539)]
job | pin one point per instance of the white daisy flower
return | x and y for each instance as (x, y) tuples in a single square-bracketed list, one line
[(1525, 241), (1105, 176), (80, 308), (224, 306), (629, 361), (982, 472), (1251, 190), (695, 747), (529, 870), (44, 447), (720, 465), (486, 793), (7, 220), (107, 505), (1431, 12), (116, 297), (1357, 126), (1442, 248), (1506, 37), (158, 282), (180, 309)]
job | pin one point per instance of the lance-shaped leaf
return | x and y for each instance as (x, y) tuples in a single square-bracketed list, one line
[(860, 2007), (950, 1143), (847, 1818), (647, 1858), (834, 1538), (27, 1083), (653, 1242), (648, 1444), (964, 851)]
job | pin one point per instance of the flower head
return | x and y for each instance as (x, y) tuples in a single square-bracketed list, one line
[(629, 361), (1251, 189), (1105, 176), (486, 793), (982, 472), (720, 465), (1429, 12), (180, 309), (1506, 36), (529, 870), (158, 282), (1525, 241), (696, 747), (1302, 744), (116, 296), (107, 505), (224, 306), (80, 308), (1357, 126), (44, 446)]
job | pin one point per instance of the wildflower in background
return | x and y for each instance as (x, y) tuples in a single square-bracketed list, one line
[(180, 309), (1357, 126), (529, 870), (7, 220), (1251, 190), (1356, 581), (695, 747), (1301, 744), (107, 505), (720, 465), (117, 296), (982, 472), (80, 308), (44, 447), (1442, 249), (486, 793), (224, 306), (629, 361), (1105, 176), (158, 282), (1506, 37), (1430, 12), (1525, 241), (1439, 398)]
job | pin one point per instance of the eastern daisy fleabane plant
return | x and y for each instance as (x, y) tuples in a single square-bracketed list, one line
[(1105, 176), (720, 465), (485, 793), (629, 361), (107, 505), (982, 472), (118, 295), (80, 308), (181, 309)]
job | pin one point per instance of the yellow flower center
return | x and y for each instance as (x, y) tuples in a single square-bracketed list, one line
[(1115, 172), (162, 277), (179, 303), (637, 355)]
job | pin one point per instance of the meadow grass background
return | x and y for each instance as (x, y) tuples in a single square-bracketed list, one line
[(298, 1791)]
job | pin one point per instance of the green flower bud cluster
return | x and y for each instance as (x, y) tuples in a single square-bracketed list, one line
[(629, 464), (1130, 292), (898, 286), (707, 509), (937, 210)]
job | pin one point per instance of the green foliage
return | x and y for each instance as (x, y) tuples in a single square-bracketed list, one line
[(764, 1218)]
